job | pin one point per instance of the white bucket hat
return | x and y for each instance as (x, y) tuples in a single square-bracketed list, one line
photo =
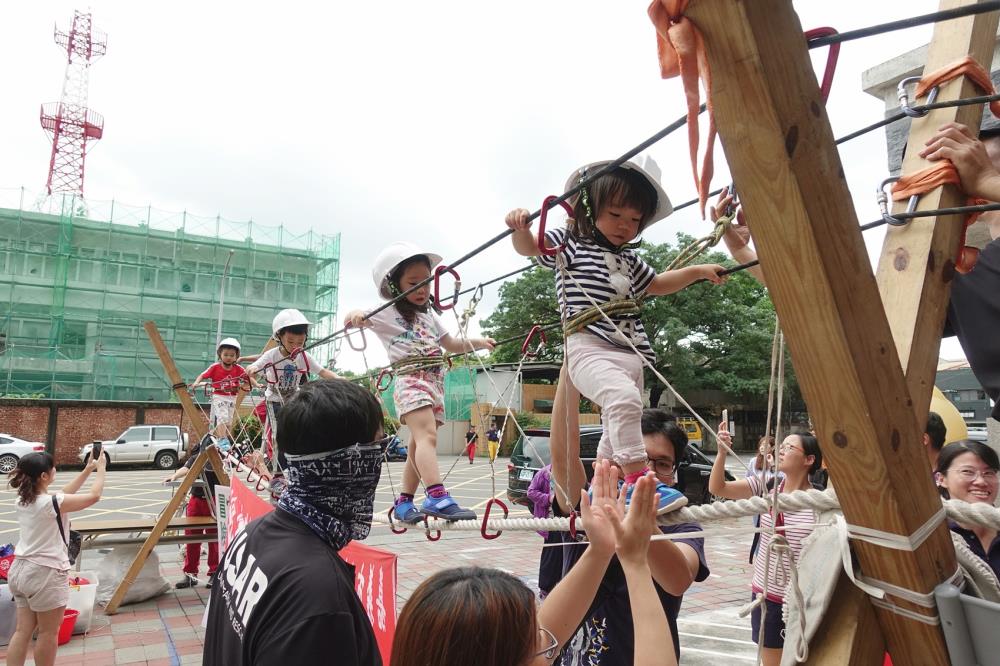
[(649, 169)]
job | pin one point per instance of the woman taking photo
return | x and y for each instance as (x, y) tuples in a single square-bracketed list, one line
[(967, 471), (38, 576), (798, 457)]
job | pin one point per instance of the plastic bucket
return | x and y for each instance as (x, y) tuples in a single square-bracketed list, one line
[(66, 628)]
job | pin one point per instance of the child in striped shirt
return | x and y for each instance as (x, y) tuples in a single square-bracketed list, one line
[(597, 263)]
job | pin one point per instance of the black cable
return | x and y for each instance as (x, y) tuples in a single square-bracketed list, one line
[(882, 28)]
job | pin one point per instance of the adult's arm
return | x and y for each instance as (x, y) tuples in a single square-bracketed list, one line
[(737, 236), (717, 484), (568, 474), (73, 501), (955, 142), (674, 565)]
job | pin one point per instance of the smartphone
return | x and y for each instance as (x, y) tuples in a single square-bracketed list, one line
[(725, 420), (95, 451)]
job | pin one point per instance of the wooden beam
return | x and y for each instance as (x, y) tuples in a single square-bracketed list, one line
[(849, 632), (917, 262), (208, 456), (781, 152)]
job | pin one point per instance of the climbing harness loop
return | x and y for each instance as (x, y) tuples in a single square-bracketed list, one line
[(526, 346), (694, 249), (392, 522), (484, 530), (542, 218), (427, 530), (384, 380), (883, 203), (904, 100), (438, 272), (412, 364)]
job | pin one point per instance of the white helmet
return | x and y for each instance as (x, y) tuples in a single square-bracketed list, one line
[(286, 318), (392, 256), (649, 169), (228, 342)]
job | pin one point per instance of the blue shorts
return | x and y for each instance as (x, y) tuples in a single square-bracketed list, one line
[(774, 624)]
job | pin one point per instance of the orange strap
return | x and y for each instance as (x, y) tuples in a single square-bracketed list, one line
[(925, 180), (968, 67), (681, 50)]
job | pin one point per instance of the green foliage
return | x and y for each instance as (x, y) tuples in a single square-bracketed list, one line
[(390, 425), (22, 396), (248, 429), (705, 336), (529, 420)]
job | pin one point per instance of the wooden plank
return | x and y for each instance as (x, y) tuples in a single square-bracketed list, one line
[(849, 633), (87, 527), (917, 262), (209, 456), (781, 152)]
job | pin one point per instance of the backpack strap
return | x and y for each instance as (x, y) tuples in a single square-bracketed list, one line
[(62, 531)]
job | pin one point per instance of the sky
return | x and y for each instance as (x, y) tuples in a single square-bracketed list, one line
[(391, 121)]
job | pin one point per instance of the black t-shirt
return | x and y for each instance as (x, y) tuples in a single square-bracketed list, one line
[(210, 477), (607, 635), (974, 316), (282, 596)]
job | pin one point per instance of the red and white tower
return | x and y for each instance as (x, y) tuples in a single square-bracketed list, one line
[(70, 123)]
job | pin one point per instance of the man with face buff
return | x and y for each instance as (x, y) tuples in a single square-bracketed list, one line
[(282, 593)]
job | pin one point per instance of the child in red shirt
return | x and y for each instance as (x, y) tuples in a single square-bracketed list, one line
[(225, 378)]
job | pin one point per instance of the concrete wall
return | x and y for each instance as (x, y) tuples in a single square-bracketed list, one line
[(65, 426)]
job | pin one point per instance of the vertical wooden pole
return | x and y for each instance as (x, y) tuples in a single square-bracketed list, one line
[(917, 262), (781, 151)]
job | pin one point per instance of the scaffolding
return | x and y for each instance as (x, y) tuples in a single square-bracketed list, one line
[(77, 281)]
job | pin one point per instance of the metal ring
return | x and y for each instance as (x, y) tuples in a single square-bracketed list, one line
[(904, 99), (883, 203)]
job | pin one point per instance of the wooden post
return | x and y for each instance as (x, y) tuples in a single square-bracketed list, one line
[(849, 632), (207, 456), (781, 152), (917, 262)]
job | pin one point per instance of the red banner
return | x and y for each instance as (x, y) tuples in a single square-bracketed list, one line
[(374, 569)]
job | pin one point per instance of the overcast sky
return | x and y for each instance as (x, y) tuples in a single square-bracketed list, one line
[(390, 120)]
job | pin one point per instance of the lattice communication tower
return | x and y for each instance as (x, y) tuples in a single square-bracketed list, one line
[(69, 122)]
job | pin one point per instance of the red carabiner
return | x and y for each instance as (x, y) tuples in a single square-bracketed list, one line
[(392, 522), (384, 374), (427, 530), (550, 252), (486, 518), (350, 342), (438, 272), (831, 58), (535, 330), (572, 525)]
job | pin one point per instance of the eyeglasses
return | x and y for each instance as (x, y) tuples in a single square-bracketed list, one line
[(971, 473), (664, 466), (548, 639), (785, 446)]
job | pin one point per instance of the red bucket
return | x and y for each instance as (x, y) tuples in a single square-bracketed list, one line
[(66, 628)]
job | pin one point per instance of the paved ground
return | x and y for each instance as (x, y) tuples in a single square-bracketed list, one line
[(167, 630)]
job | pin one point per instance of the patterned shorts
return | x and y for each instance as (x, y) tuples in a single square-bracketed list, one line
[(223, 407), (420, 388)]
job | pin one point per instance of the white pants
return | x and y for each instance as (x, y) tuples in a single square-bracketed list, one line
[(612, 378), (223, 407)]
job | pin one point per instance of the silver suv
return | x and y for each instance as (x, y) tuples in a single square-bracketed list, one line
[(161, 445)]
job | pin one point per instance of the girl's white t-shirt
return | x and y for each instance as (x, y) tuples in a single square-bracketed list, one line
[(40, 541), (283, 378), (403, 339)]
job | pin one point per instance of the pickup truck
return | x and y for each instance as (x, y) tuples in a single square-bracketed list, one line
[(161, 445)]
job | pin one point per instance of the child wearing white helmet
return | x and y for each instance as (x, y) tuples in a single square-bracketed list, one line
[(597, 260), (286, 364), (413, 336), (225, 377)]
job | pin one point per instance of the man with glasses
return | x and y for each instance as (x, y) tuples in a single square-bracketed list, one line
[(283, 595), (606, 635)]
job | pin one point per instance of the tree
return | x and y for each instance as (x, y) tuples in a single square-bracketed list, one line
[(705, 336)]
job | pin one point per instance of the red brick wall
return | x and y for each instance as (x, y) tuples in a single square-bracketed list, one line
[(81, 422), (30, 423)]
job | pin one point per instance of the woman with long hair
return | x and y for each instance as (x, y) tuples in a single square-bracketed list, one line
[(38, 577)]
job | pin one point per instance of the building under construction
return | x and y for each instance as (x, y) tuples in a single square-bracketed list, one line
[(77, 281)]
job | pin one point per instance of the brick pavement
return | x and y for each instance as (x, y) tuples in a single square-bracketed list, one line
[(167, 630)]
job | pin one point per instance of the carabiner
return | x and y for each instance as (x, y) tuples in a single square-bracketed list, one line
[(350, 342), (543, 216), (486, 518), (535, 330), (438, 272), (572, 526), (392, 522), (427, 530), (904, 98), (384, 374), (831, 58), (883, 204)]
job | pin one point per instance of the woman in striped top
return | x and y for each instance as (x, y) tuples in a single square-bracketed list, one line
[(798, 457), (597, 263)]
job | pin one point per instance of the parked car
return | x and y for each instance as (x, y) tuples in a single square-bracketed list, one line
[(11, 450), (978, 433), (396, 451), (526, 459), (160, 445)]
